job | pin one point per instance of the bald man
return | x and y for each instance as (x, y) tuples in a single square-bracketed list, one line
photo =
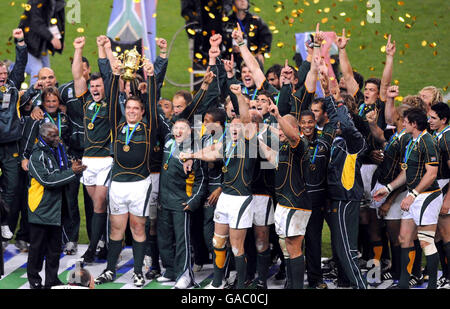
[(46, 78)]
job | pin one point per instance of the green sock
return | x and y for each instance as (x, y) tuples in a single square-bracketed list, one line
[(115, 247), (138, 255), (241, 268), (406, 262), (287, 262), (432, 267), (97, 229), (298, 271), (262, 266), (396, 251), (154, 252)]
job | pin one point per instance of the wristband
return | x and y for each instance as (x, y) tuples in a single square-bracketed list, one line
[(241, 43), (20, 40), (411, 194), (389, 188), (415, 193), (161, 52), (316, 45)]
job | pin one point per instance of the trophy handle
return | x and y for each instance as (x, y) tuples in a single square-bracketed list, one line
[(142, 61)]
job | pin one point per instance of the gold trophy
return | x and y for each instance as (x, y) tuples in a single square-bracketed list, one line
[(132, 61)]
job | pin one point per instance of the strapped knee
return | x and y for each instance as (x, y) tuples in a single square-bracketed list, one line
[(428, 238), (219, 243), (283, 247)]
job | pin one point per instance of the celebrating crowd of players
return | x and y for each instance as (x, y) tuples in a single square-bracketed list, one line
[(248, 169)]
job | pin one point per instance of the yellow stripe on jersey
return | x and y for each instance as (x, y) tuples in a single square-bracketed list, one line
[(189, 184), (35, 194), (348, 172)]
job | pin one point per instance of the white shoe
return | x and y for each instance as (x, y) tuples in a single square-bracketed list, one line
[(163, 279), (183, 283), (6, 232), (138, 280), (212, 287), (445, 285)]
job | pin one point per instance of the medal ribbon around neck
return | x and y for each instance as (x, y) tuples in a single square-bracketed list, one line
[(128, 134), (409, 148), (361, 109), (227, 152), (97, 110), (172, 149), (436, 136), (59, 122), (393, 139)]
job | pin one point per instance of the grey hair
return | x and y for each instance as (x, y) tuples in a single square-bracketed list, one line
[(46, 128)]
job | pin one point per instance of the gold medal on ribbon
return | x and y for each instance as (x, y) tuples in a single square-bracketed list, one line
[(166, 166), (126, 148), (312, 166), (3, 88), (404, 166), (90, 126), (224, 169), (156, 148)]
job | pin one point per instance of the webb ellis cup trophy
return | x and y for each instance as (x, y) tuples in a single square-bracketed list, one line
[(131, 62)]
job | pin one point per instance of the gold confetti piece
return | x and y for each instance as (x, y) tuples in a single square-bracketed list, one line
[(406, 45), (278, 10), (280, 2), (396, 82), (204, 63), (424, 43), (23, 17), (300, 11), (271, 28), (117, 39), (383, 49), (27, 29), (207, 9), (251, 34), (257, 10), (445, 89), (326, 10), (348, 19), (211, 15), (191, 31), (414, 18), (154, 15), (435, 53), (54, 21), (401, 61), (205, 33), (332, 61), (198, 56), (372, 68), (331, 77), (276, 31), (137, 1), (115, 54), (190, 70), (407, 15), (324, 20), (306, 3), (401, 19), (44, 54), (435, 23), (230, 50), (12, 3), (24, 86), (27, 7), (400, 2), (362, 23), (402, 52), (399, 98), (225, 19), (319, 11), (386, 36), (361, 47), (80, 30), (408, 26), (253, 47), (267, 55), (342, 14), (316, 1), (370, 13), (433, 44), (280, 44), (118, 49)]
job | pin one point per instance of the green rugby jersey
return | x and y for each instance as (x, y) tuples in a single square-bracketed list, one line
[(239, 158), (97, 136), (389, 169), (315, 163), (423, 152), (294, 103), (290, 186), (214, 169), (442, 140)]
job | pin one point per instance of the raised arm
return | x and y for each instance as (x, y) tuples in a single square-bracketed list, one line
[(243, 106), (389, 107), (77, 67), (346, 67), (249, 59), (311, 77), (209, 154), (388, 67), (17, 74)]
